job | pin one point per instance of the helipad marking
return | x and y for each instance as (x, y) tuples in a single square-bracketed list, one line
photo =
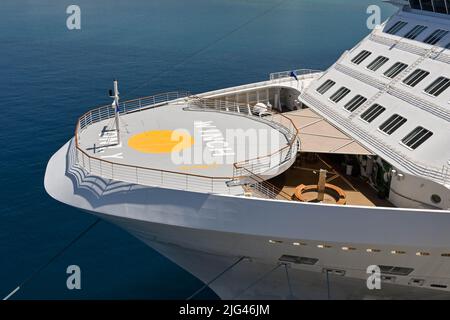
[(204, 166), (115, 156), (161, 141)]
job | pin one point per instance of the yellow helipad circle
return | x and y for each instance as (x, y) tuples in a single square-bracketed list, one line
[(161, 141)]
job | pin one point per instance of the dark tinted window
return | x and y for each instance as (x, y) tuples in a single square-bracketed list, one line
[(392, 124)]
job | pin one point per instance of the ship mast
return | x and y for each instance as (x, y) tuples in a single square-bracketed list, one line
[(115, 105)]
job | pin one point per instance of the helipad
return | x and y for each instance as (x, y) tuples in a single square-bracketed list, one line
[(177, 138)]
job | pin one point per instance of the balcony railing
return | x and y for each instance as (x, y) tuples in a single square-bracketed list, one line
[(396, 92), (283, 124), (107, 112), (304, 73), (264, 189), (137, 174), (410, 47)]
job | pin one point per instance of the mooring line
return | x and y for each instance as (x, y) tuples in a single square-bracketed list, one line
[(214, 279), (328, 287), (57, 255), (258, 280), (208, 46), (291, 293)]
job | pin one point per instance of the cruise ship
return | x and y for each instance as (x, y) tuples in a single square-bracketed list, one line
[(307, 185)]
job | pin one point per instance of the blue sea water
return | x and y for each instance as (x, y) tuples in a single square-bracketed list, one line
[(50, 75)]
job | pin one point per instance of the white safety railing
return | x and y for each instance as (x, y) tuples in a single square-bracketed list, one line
[(276, 120), (304, 73), (137, 174), (396, 92), (107, 112), (274, 80), (156, 177), (151, 177), (409, 47), (374, 82), (283, 124), (263, 189)]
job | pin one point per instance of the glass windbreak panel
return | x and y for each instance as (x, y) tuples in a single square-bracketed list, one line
[(396, 27), (415, 4), (361, 57), (414, 78), (438, 86), (427, 5), (392, 124), (414, 32), (439, 6), (393, 71), (416, 137), (436, 36), (377, 63), (325, 86), (372, 113), (340, 94), (355, 103)]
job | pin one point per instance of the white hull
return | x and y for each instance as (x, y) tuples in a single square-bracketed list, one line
[(254, 279), (221, 229), (395, 115)]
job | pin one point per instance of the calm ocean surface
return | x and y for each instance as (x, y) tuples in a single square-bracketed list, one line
[(50, 75)]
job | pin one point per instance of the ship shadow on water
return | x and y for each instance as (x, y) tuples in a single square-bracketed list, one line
[(99, 191)]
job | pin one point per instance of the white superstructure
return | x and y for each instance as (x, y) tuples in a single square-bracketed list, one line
[(242, 222)]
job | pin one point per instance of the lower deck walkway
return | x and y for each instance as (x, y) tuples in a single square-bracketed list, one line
[(306, 171), (318, 135)]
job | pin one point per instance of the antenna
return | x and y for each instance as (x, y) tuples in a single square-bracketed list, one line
[(115, 105)]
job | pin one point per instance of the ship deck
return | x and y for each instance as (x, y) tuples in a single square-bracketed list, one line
[(358, 191), (174, 138)]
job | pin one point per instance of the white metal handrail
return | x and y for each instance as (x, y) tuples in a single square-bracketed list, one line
[(216, 94), (136, 174), (298, 72), (107, 112), (263, 189), (282, 123), (361, 76), (396, 92), (151, 177), (408, 47), (157, 177)]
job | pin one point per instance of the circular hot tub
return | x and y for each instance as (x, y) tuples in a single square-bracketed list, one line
[(310, 193)]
